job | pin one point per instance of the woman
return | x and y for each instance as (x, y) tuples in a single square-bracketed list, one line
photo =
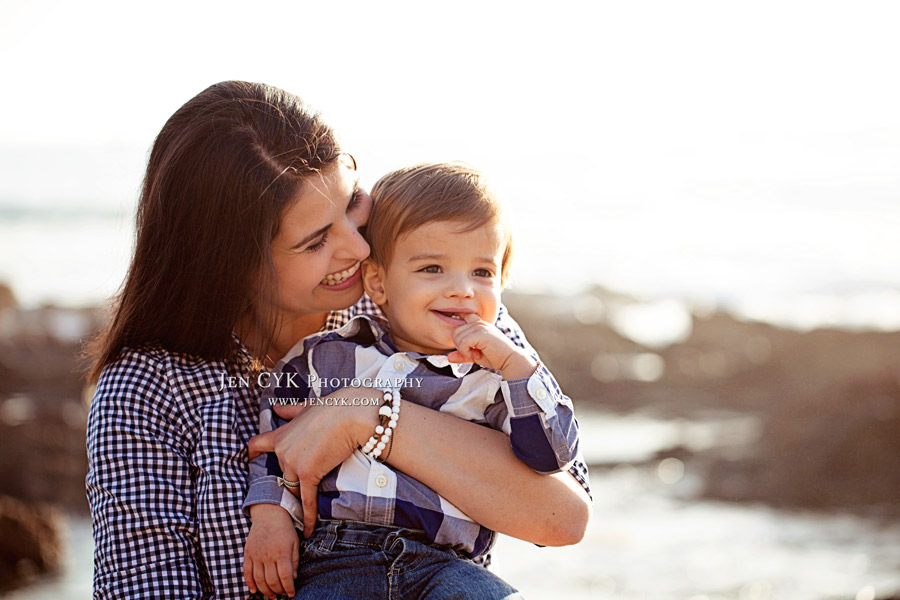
[(247, 241)]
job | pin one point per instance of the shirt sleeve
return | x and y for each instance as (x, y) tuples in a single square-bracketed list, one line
[(542, 428), (508, 325), (140, 487)]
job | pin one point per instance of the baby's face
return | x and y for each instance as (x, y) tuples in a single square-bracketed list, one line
[(438, 273)]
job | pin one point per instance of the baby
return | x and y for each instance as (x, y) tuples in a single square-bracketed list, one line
[(441, 253)]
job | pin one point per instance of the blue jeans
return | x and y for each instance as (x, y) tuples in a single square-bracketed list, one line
[(348, 559)]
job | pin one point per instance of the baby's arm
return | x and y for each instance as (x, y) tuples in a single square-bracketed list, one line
[(530, 406), (271, 554), (272, 551)]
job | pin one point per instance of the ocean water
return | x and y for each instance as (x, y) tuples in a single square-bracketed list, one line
[(792, 258)]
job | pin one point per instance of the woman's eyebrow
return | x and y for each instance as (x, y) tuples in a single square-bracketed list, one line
[(311, 237), (322, 231)]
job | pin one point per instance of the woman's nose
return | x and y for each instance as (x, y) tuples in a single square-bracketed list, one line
[(360, 246), (353, 244)]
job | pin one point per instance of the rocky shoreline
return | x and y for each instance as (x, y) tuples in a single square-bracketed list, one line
[(828, 402)]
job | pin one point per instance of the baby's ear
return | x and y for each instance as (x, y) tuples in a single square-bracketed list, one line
[(373, 281)]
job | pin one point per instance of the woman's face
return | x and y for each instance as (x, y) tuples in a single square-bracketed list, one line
[(318, 249)]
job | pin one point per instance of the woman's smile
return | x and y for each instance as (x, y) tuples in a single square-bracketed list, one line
[(339, 277), (342, 280)]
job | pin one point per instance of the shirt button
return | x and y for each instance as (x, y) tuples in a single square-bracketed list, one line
[(381, 481), (398, 364), (541, 393)]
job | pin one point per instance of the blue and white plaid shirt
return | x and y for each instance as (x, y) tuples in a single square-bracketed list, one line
[(533, 411), (167, 457)]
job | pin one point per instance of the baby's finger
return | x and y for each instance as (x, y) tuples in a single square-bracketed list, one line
[(259, 575), (457, 357), (272, 578), (471, 317), (465, 336), (248, 575), (286, 575)]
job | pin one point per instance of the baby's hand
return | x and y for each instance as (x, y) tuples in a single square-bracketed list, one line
[(481, 342), (272, 552)]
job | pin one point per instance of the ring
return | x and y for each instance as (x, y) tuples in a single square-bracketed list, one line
[(288, 483)]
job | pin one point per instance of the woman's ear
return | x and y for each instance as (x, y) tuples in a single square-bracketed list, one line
[(373, 281)]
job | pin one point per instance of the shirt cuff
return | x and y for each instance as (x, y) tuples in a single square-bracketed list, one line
[(264, 490), (536, 394)]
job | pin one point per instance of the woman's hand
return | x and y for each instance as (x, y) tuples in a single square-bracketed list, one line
[(319, 438)]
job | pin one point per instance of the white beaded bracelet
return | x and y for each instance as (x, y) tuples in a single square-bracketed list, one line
[(388, 415)]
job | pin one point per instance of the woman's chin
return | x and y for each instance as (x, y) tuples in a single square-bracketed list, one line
[(341, 296)]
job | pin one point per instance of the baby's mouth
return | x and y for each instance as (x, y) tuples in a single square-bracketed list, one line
[(340, 276), (452, 315)]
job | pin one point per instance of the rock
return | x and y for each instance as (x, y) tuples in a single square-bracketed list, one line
[(30, 542), (835, 449), (43, 446), (7, 298), (829, 400)]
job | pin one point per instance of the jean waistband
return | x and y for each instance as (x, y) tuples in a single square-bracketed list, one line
[(328, 533)]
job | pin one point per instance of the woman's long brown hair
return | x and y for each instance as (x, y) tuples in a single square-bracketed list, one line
[(220, 174)]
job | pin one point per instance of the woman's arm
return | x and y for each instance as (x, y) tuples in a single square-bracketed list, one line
[(470, 465), (139, 487), (475, 469)]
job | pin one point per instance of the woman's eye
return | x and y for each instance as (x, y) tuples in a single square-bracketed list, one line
[(483, 273), (318, 245), (354, 200), (430, 269)]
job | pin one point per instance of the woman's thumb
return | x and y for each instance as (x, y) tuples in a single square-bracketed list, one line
[(260, 444)]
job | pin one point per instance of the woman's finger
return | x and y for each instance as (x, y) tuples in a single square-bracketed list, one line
[(289, 475), (262, 443), (309, 499), (288, 411)]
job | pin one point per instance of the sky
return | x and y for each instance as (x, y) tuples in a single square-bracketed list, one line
[(690, 128), (636, 76)]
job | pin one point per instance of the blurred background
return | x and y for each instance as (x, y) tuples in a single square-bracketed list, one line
[(706, 199)]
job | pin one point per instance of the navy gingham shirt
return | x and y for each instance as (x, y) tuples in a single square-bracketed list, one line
[(167, 458), (533, 411)]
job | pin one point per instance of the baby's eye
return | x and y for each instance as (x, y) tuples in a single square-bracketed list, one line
[(482, 273), (430, 269)]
